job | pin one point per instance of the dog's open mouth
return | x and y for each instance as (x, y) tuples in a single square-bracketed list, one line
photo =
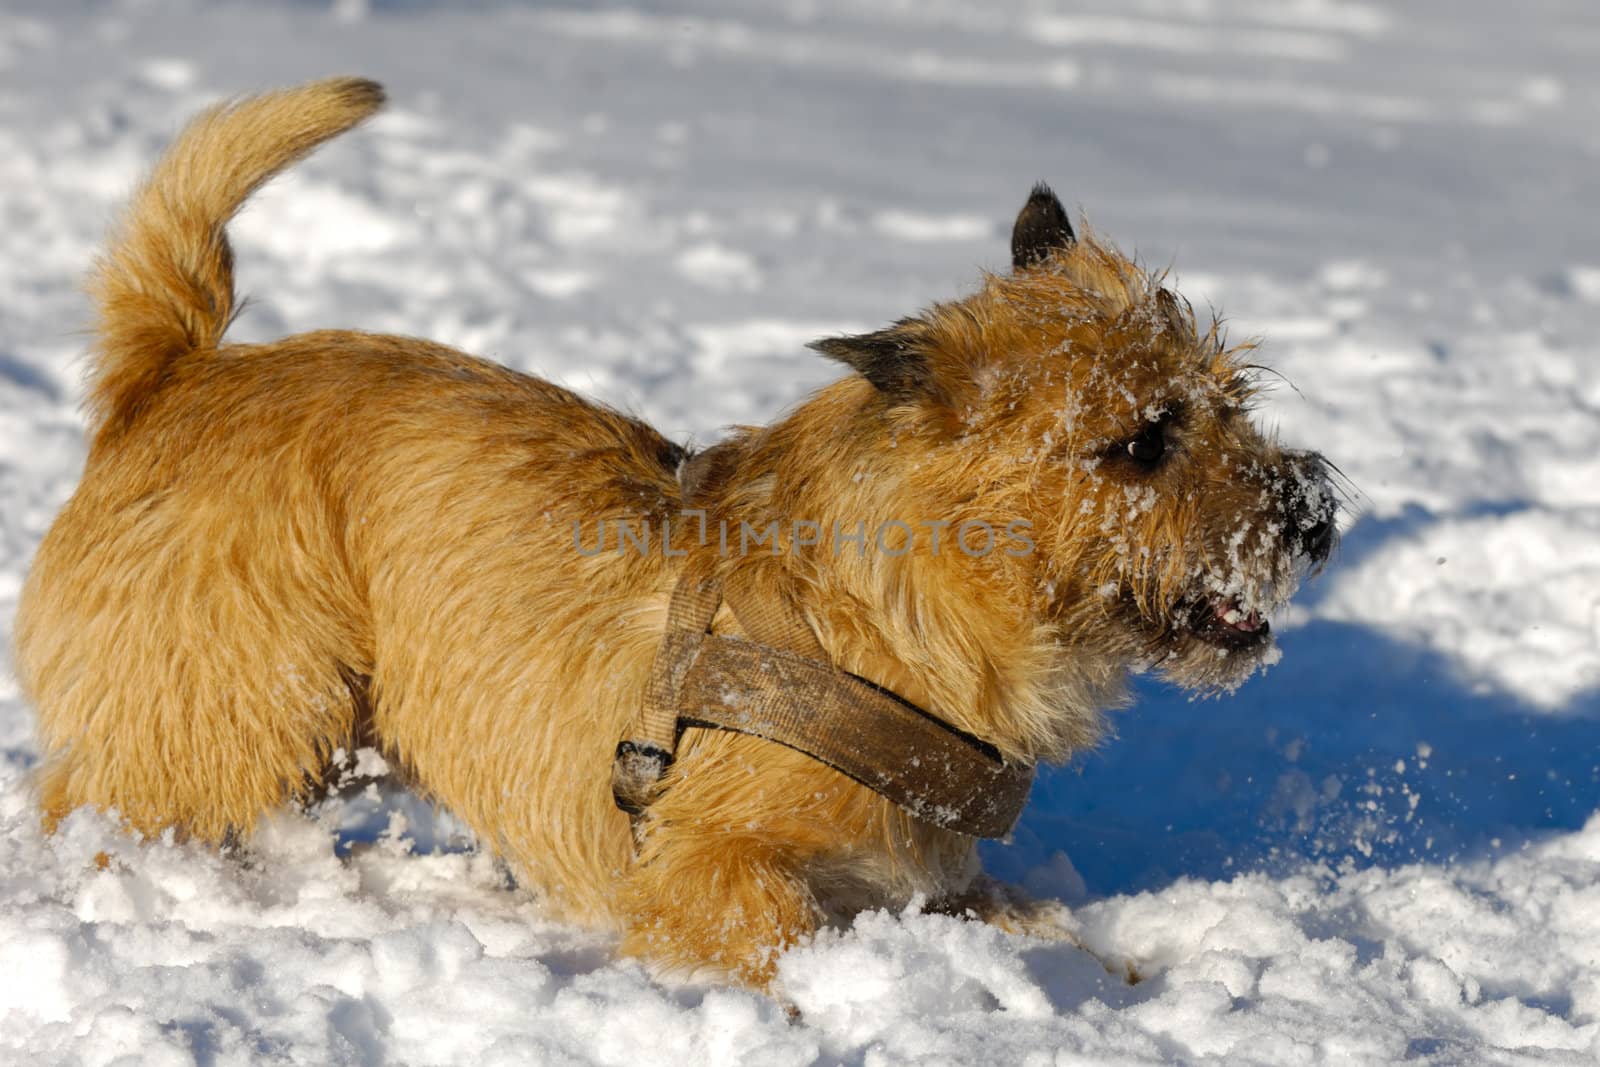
[(1222, 620)]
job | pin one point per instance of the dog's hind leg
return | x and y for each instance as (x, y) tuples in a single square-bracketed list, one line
[(204, 755), (171, 686)]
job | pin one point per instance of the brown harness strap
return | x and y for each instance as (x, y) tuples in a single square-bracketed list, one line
[(767, 620), (644, 756), (779, 686)]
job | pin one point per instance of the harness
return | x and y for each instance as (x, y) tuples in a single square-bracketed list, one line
[(778, 684)]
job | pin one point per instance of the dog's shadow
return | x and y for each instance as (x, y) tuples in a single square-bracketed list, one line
[(1357, 748)]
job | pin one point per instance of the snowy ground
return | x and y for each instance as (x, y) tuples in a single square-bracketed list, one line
[(1382, 851)]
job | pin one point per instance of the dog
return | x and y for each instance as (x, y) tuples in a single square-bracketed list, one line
[(279, 549)]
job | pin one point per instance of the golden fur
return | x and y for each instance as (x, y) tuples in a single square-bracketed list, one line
[(279, 549)]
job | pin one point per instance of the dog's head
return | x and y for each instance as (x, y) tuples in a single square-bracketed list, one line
[(1080, 397)]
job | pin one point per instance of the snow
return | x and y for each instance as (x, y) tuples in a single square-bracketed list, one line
[(1523, 580), (1386, 848)]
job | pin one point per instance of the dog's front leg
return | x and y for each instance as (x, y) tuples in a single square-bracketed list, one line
[(1017, 911), (727, 903), (1013, 910)]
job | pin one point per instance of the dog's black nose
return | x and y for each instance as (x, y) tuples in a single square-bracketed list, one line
[(1316, 540), (1310, 506)]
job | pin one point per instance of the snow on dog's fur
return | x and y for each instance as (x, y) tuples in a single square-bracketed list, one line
[(279, 549)]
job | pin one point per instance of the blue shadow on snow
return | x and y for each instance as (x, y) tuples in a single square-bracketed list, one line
[(1356, 748)]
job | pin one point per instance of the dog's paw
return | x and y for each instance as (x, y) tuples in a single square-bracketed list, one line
[(1017, 912)]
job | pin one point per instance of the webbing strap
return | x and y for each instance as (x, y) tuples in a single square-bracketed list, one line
[(925, 766), (765, 619), (796, 698), (645, 754)]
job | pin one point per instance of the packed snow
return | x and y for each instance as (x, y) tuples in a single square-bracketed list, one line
[(1386, 849)]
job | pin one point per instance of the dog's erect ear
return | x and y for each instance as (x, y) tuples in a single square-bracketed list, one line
[(1041, 228), (891, 359)]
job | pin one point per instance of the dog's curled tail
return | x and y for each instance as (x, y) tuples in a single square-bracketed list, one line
[(164, 286)]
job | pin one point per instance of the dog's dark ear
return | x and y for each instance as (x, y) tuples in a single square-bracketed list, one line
[(1041, 228), (892, 359)]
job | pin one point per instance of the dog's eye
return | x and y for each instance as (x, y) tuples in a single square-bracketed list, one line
[(1148, 448)]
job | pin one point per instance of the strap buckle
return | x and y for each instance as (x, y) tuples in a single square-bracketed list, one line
[(635, 771)]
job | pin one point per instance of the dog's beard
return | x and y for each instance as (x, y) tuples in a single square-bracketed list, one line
[(1217, 630), (1220, 631)]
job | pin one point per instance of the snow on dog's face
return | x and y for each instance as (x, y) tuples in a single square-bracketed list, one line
[(1078, 395)]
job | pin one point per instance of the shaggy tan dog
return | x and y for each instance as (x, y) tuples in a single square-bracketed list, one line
[(279, 548)]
